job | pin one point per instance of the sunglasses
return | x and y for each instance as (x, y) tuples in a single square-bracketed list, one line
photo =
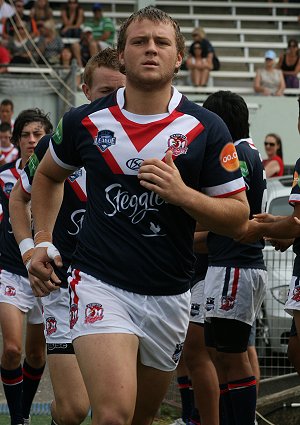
[(269, 144)]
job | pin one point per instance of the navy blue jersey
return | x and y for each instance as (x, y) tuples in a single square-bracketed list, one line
[(10, 256), (293, 200), (70, 217), (223, 251), (200, 268), (131, 238)]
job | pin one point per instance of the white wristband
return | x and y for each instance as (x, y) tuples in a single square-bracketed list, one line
[(52, 251), (25, 245)]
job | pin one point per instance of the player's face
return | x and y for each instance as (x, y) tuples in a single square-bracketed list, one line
[(30, 136), (104, 82), (6, 113), (5, 139), (150, 55)]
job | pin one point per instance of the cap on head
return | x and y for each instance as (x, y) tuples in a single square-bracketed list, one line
[(270, 54), (87, 29), (97, 6)]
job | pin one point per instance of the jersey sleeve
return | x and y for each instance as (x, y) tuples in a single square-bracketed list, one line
[(64, 142), (28, 172), (221, 175), (295, 192)]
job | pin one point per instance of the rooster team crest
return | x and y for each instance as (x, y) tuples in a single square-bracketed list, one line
[(10, 291), (8, 187), (105, 139), (177, 143), (227, 302), (296, 294), (51, 325), (93, 312)]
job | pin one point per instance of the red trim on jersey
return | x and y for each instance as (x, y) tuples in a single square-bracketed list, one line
[(15, 173), (224, 390), (241, 189), (136, 132), (77, 189), (2, 187), (235, 282), (23, 188), (191, 135), (1, 218), (182, 386), (73, 284), (110, 160), (90, 126)]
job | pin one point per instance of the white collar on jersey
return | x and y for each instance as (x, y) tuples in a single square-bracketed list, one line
[(174, 102)]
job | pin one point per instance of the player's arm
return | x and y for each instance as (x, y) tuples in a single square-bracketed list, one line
[(200, 242), (279, 228), (46, 199), (20, 213), (225, 216)]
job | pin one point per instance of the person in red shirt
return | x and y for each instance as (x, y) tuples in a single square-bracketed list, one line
[(4, 58), (274, 165)]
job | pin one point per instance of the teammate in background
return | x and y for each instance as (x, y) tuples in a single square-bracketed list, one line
[(6, 112), (8, 152), (236, 277), (186, 392), (20, 383), (134, 257), (101, 77)]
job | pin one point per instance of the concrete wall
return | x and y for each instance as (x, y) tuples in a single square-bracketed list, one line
[(267, 114)]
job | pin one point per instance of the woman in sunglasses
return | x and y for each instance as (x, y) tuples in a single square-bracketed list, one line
[(274, 165), (289, 63)]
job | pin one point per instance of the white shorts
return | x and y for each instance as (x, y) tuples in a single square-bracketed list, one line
[(233, 293), (56, 307), (160, 322), (293, 300), (197, 303), (16, 290)]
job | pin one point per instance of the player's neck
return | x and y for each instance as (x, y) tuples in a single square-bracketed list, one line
[(147, 103)]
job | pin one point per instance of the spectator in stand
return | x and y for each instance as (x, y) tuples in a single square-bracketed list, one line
[(198, 65), (289, 63), (9, 152), (6, 112), (20, 46), (19, 19), (66, 57), (274, 165), (4, 57), (86, 48), (268, 80), (41, 11), (6, 11), (49, 42), (72, 16), (103, 28), (208, 51)]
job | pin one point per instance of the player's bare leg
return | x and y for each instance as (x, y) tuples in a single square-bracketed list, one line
[(65, 373), (111, 384), (152, 387)]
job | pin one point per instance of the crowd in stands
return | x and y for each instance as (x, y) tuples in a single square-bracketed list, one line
[(35, 36)]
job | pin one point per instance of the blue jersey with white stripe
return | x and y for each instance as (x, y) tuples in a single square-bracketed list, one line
[(71, 214), (10, 256), (131, 238), (225, 251)]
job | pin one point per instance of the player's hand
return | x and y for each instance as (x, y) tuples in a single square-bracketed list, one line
[(164, 179), (41, 288), (264, 218), (280, 244), (41, 268)]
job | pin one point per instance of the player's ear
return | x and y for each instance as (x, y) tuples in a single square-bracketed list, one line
[(86, 91)]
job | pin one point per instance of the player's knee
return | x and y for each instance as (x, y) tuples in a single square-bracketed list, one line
[(111, 417), (36, 358), (71, 414), (11, 354)]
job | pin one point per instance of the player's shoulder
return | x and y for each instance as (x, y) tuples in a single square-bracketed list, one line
[(208, 118), (8, 166)]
